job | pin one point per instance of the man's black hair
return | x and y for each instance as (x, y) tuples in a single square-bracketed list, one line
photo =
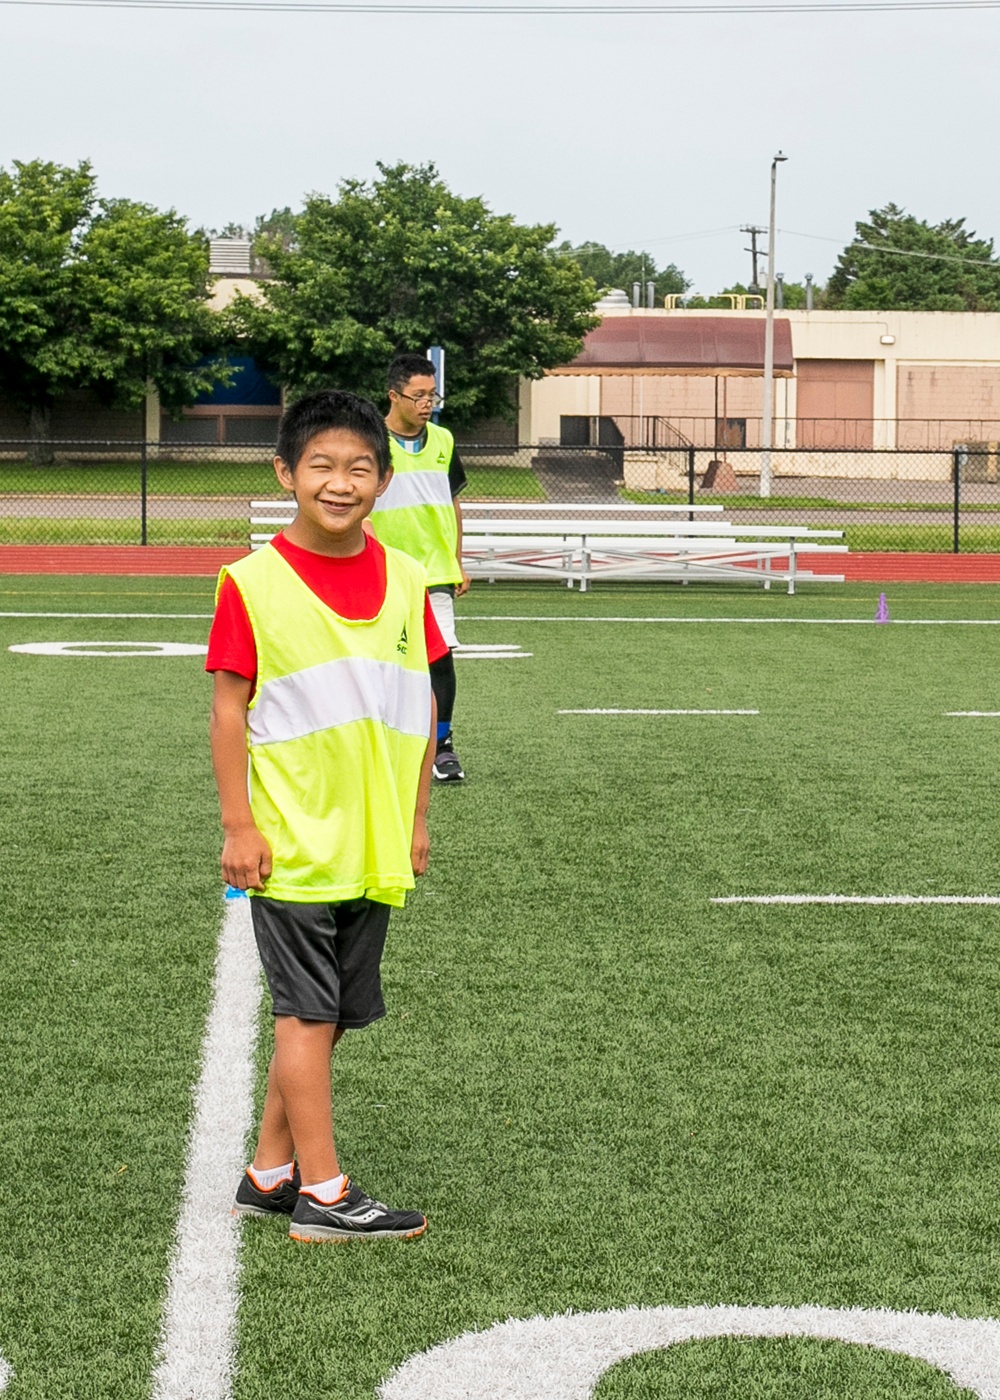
[(332, 408), (404, 367)]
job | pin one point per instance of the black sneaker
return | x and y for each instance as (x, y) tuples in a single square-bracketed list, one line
[(447, 764), (252, 1199), (354, 1216)]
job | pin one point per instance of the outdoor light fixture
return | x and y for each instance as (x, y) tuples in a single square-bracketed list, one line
[(887, 340)]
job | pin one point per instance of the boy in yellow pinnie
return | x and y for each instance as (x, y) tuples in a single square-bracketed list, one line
[(322, 718)]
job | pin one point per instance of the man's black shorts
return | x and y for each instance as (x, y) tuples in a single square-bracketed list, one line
[(322, 960)]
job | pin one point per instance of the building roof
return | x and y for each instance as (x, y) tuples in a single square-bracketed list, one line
[(684, 344)]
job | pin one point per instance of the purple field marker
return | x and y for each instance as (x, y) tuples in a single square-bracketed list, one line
[(882, 615)]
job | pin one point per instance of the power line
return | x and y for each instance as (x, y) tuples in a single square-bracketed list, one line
[(756, 7), (896, 252)]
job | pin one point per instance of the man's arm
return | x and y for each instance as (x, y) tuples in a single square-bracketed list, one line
[(462, 588), (246, 856), (421, 845)]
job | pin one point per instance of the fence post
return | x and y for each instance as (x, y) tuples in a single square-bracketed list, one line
[(956, 471), (690, 481), (143, 487)]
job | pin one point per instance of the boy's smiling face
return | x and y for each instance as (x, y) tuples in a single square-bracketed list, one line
[(335, 483)]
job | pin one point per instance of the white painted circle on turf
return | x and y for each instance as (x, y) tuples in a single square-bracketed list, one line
[(563, 1358), (110, 649)]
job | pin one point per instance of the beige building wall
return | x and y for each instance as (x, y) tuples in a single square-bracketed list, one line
[(553, 396), (935, 379), (224, 289), (949, 391), (688, 401)]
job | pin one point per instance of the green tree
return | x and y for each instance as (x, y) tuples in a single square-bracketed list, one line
[(100, 294), (900, 263), (280, 223), (610, 269), (793, 296), (402, 263)]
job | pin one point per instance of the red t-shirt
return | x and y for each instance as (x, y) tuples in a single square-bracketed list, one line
[(353, 587)]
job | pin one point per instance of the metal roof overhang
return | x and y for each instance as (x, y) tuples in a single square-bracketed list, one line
[(691, 345)]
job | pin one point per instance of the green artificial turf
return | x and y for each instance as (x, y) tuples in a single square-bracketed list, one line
[(109, 920), (604, 1090), (789, 1368)]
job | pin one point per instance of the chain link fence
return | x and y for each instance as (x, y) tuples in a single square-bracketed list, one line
[(119, 492)]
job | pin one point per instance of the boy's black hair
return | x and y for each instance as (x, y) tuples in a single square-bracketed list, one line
[(404, 367), (332, 408)]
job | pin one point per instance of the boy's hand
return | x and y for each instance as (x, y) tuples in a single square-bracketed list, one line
[(246, 858), (462, 588), (420, 847)]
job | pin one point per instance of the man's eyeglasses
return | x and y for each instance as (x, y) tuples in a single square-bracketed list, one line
[(435, 400)]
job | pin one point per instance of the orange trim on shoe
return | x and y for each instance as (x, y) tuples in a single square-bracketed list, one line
[(266, 1190), (305, 1191)]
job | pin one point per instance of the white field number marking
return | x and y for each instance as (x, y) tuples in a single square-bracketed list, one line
[(858, 899), (109, 649), (563, 1358)]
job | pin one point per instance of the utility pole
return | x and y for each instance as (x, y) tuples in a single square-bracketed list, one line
[(767, 425), (754, 233)]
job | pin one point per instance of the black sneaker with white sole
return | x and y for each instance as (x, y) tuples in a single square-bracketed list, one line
[(354, 1216), (252, 1199), (447, 764)]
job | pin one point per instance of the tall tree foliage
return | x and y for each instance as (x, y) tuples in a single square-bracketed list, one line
[(900, 263), (401, 263), (610, 269), (98, 294)]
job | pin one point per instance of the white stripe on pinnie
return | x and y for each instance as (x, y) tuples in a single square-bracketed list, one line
[(341, 692)]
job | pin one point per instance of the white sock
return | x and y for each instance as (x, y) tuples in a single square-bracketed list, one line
[(328, 1191), (266, 1181)]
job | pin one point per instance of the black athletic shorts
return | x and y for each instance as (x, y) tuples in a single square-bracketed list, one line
[(322, 961)]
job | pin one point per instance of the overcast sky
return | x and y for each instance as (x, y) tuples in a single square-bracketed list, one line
[(628, 130)]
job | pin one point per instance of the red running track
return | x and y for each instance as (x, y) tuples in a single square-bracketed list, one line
[(114, 559), (909, 568), (193, 560)]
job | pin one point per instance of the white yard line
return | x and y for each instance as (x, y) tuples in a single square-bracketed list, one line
[(187, 617), (972, 714), (486, 651), (858, 899), (527, 617), (754, 621), (198, 1339), (658, 712)]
